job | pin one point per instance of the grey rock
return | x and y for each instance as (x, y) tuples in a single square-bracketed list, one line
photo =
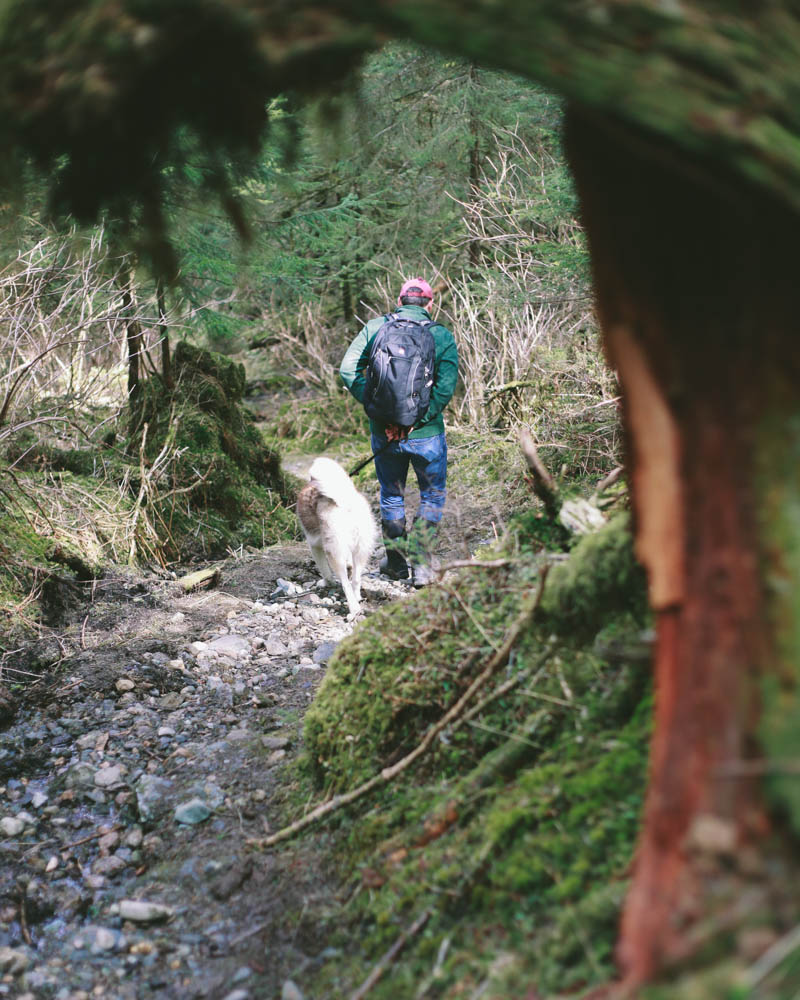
[(169, 702), (134, 836), (291, 991), (324, 652), (108, 867), (11, 826), (102, 939), (13, 961), (238, 995), (275, 647), (153, 796), (222, 693), (107, 777), (209, 792), (141, 912), (192, 812), (235, 646), (239, 735), (275, 742), (80, 775)]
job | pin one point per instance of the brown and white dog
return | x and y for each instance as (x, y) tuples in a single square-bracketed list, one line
[(339, 527)]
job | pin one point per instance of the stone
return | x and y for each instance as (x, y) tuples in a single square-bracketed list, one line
[(275, 647), (275, 742), (192, 812), (107, 777), (140, 911), (324, 652), (291, 991), (153, 796), (11, 826), (109, 866), (13, 961), (124, 684), (210, 792), (103, 939), (239, 735), (170, 701), (238, 995), (231, 645), (80, 775), (108, 841)]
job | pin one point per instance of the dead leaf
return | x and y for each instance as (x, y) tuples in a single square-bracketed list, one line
[(372, 879)]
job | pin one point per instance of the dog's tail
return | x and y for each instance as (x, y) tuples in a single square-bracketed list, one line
[(332, 481)]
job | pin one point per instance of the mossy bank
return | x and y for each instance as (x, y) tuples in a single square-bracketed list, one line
[(511, 840)]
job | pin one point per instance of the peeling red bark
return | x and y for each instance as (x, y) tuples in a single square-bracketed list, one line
[(696, 299)]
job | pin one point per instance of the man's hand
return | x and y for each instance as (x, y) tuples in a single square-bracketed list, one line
[(396, 432)]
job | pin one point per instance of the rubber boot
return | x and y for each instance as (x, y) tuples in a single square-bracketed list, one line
[(420, 551), (393, 563)]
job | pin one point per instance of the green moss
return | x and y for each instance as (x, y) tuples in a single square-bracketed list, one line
[(239, 495), (519, 827), (601, 580), (520, 845), (409, 662)]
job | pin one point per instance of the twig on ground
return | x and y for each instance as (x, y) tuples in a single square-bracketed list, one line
[(386, 960), (772, 958), (544, 486), (475, 564), (550, 697), (468, 612), (510, 684), (23, 914), (608, 481), (92, 836)]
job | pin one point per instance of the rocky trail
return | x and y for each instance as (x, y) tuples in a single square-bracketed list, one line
[(149, 747)]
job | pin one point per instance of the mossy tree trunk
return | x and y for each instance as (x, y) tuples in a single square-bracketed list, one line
[(697, 293)]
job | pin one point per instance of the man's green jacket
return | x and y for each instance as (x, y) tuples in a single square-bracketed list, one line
[(445, 369)]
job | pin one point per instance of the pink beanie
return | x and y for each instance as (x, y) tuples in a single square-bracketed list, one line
[(424, 289)]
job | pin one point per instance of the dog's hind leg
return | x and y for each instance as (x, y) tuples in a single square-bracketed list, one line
[(343, 568), (321, 561), (357, 571)]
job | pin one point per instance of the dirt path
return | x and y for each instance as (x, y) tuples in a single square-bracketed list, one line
[(138, 770)]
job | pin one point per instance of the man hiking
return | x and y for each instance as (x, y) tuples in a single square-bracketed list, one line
[(403, 367)]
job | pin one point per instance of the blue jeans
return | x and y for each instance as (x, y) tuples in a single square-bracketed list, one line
[(428, 456)]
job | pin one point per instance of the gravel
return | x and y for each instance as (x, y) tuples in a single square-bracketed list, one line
[(129, 791)]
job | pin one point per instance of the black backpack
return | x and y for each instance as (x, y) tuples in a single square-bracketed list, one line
[(399, 371)]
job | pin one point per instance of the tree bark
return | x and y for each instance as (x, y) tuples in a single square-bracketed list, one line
[(696, 290)]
